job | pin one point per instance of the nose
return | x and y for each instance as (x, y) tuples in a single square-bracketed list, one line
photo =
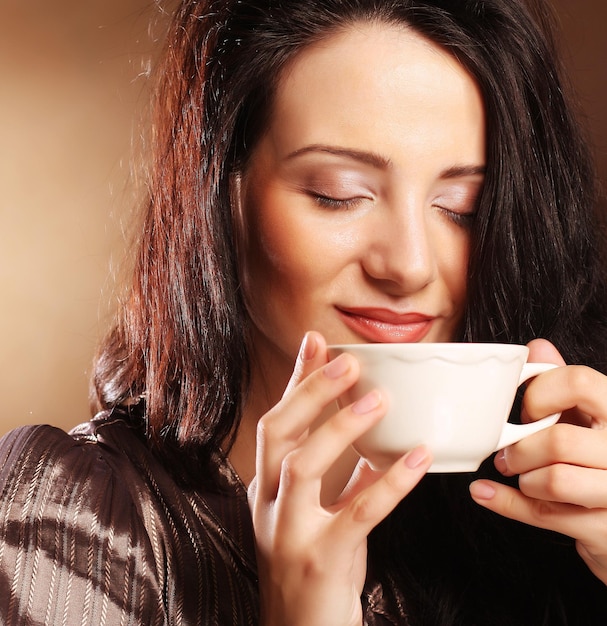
[(400, 253)]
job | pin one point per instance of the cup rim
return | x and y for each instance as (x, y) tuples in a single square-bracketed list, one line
[(471, 351), (429, 345)]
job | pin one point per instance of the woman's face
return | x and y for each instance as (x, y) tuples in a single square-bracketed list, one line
[(354, 213)]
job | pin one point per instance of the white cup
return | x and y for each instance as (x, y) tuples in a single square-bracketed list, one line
[(453, 397)]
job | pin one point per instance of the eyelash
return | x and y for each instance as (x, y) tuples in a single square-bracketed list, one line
[(459, 219), (335, 203), (464, 220)]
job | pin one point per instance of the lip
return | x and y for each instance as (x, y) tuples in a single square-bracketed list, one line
[(385, 326)]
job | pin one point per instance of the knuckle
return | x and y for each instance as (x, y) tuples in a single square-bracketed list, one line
[(559, 482), (264, 427), (363, 509), (271, 426), (396, 482), (294, 467), (542, 511), (510, 501), (560, 440), (341, 425), (581, 379), (308, 389), (313, 391), (252, 491)]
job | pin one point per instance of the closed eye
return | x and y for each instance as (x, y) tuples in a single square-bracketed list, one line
[(336, 203), (460, 219)]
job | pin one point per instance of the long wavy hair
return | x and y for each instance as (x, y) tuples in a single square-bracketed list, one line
[(177, 354)]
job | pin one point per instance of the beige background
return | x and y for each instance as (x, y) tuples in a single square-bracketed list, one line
[(72, 87)]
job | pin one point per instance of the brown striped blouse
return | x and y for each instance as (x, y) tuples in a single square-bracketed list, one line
[(93, 530)]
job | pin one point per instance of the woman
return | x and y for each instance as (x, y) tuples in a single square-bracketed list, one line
[(344, 170)]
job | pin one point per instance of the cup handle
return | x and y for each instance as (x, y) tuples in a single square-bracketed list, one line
[(511, 433)]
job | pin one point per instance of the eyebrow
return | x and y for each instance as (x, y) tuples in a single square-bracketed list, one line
[(369, 158), (461, 171), (376, 160)]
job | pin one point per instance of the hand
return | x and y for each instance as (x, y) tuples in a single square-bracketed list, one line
[(312, 557), (563, 469)]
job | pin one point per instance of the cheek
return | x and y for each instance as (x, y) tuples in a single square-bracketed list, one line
[(290, 246), (275, 252), (455, 267), (284, 256)]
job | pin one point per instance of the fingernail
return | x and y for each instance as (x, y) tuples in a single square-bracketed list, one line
[(338, 367), (308, 348), (500, 462), (416, 457), (367, 403), (481, 490)]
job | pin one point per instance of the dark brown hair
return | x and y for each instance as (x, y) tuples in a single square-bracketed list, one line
[(179, 347)]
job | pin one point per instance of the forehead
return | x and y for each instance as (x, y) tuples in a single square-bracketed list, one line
[(367, 81)]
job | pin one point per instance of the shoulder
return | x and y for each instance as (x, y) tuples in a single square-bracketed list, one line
[(94, 514), (17, 443), (47, 459), (71, 539), (37, 456), (101, 468)]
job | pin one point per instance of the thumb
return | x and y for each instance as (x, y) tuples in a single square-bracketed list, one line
[(542, 351), (312, 355)]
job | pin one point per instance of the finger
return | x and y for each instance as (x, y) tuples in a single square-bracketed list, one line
[(573, 386), (371, 505), (542, 351), (571, 484), (568, 519), (301, 406), (252, 493), (304, 468), (562, 443), (312, 355), (362, 477), (281, 430)]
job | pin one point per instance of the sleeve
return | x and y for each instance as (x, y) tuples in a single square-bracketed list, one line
[(73, 549)]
